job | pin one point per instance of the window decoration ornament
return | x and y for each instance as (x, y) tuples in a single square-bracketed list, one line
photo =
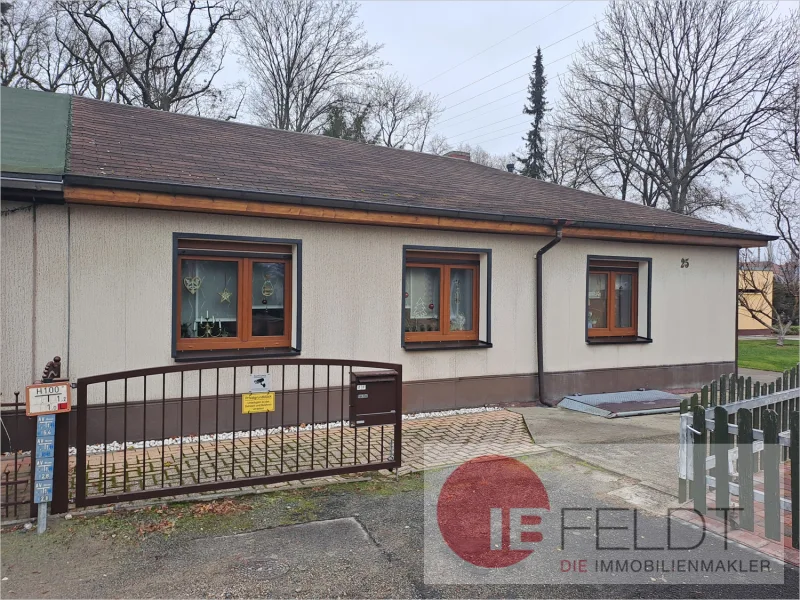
[(207, 326), (192, 284), (225, 294), (267, 289), (420, 310), (458, 320)]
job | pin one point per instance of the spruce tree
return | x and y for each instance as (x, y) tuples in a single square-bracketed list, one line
[(348, 124), (533, 162)]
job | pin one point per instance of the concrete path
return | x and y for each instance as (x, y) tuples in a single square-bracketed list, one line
[(644, 448), (759, 375)]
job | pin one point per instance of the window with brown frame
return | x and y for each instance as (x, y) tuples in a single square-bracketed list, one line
[(612, 298), (441, 297), (233, 295)]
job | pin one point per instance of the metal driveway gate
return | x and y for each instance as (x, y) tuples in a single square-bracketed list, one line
[(181, 429)]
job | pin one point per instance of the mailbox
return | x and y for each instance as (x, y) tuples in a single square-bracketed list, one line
[(373, 398)]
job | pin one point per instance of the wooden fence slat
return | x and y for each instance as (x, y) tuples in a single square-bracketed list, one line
[(699, 459), (723, 390), (745, 422), (722, 442), (771, 465), (683, 484), (704, 396), (794, 458), (712, 401), (748, 388), (740, 388)]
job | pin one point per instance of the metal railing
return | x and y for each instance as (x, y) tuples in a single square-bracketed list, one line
[(18, 435), (180, 429)]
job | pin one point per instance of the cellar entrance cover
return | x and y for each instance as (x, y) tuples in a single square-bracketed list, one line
[(623, 404)]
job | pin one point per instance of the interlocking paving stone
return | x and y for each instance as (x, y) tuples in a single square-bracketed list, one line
[(460, 437)]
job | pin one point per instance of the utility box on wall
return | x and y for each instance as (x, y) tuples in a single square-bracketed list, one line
[(373, 398)]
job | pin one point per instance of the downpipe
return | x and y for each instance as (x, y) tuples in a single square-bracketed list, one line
[(540, 311)]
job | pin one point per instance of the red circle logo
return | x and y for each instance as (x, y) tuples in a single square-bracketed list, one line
[(487, 511)]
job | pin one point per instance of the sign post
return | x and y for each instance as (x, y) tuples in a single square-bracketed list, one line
[(45, 400)]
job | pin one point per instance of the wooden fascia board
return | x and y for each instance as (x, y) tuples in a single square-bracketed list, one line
[(161, 201)]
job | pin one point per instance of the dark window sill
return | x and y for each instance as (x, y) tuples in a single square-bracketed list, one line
[(200, 355), (415, 346), (619, 340)]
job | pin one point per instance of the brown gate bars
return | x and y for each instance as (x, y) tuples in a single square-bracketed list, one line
[(180, 429)]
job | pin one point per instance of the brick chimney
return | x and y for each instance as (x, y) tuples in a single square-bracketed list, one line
[(459, 154)]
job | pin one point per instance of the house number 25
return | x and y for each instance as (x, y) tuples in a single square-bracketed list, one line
[(684, 263)]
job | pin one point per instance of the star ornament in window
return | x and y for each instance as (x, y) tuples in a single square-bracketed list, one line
[(225, 296)]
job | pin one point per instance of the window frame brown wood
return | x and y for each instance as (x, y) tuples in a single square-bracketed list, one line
[(446, 262), (611, 270), (244, 319)]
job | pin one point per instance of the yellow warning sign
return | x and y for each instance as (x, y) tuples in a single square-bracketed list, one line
[(258, 402)]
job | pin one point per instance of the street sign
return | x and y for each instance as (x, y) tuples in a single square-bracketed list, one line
[(45, 447), (42, 491), (261, 383), (47, 398), (44, 469), (46, 426), (258, 403)]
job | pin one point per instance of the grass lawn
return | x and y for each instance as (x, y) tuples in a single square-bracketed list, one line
[(765, 355)]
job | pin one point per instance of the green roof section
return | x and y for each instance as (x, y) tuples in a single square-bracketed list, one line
[(33, 131)]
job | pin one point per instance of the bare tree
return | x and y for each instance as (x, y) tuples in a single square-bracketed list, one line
[(438, 145), (303, 56), (672, 89), (32, 54), (402, 114), (160, 54), (571, 161), (480, 156)]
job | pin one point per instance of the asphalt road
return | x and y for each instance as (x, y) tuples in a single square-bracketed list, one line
[(344, 541)]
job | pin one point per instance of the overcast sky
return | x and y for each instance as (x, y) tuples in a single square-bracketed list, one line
[(424, 40), (476, 56), (427, 40)]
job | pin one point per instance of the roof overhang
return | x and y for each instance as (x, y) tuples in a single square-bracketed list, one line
[(166, 196), (32, 187)]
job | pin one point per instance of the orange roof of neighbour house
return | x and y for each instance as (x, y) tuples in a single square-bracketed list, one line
[(123, 147)]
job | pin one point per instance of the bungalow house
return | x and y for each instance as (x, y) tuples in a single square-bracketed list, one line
[(135, 238)]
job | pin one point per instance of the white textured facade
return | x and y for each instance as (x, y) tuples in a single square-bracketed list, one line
[(94, 285)]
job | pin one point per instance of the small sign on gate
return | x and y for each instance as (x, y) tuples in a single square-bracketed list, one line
[(258, 403), (260, 383), (47, 398)]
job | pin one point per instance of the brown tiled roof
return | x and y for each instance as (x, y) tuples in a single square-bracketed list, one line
[(126, 143)]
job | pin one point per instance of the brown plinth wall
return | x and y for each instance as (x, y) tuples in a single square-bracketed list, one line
[(599, 381), (224, 414)]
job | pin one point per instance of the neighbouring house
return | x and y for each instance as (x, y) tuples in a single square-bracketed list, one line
[(755, 299), (136, 238)]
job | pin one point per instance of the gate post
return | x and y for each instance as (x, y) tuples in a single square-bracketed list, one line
[(60, 503)]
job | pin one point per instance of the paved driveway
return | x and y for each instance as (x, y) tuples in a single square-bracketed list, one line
[(644, 448), (354, 540)]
